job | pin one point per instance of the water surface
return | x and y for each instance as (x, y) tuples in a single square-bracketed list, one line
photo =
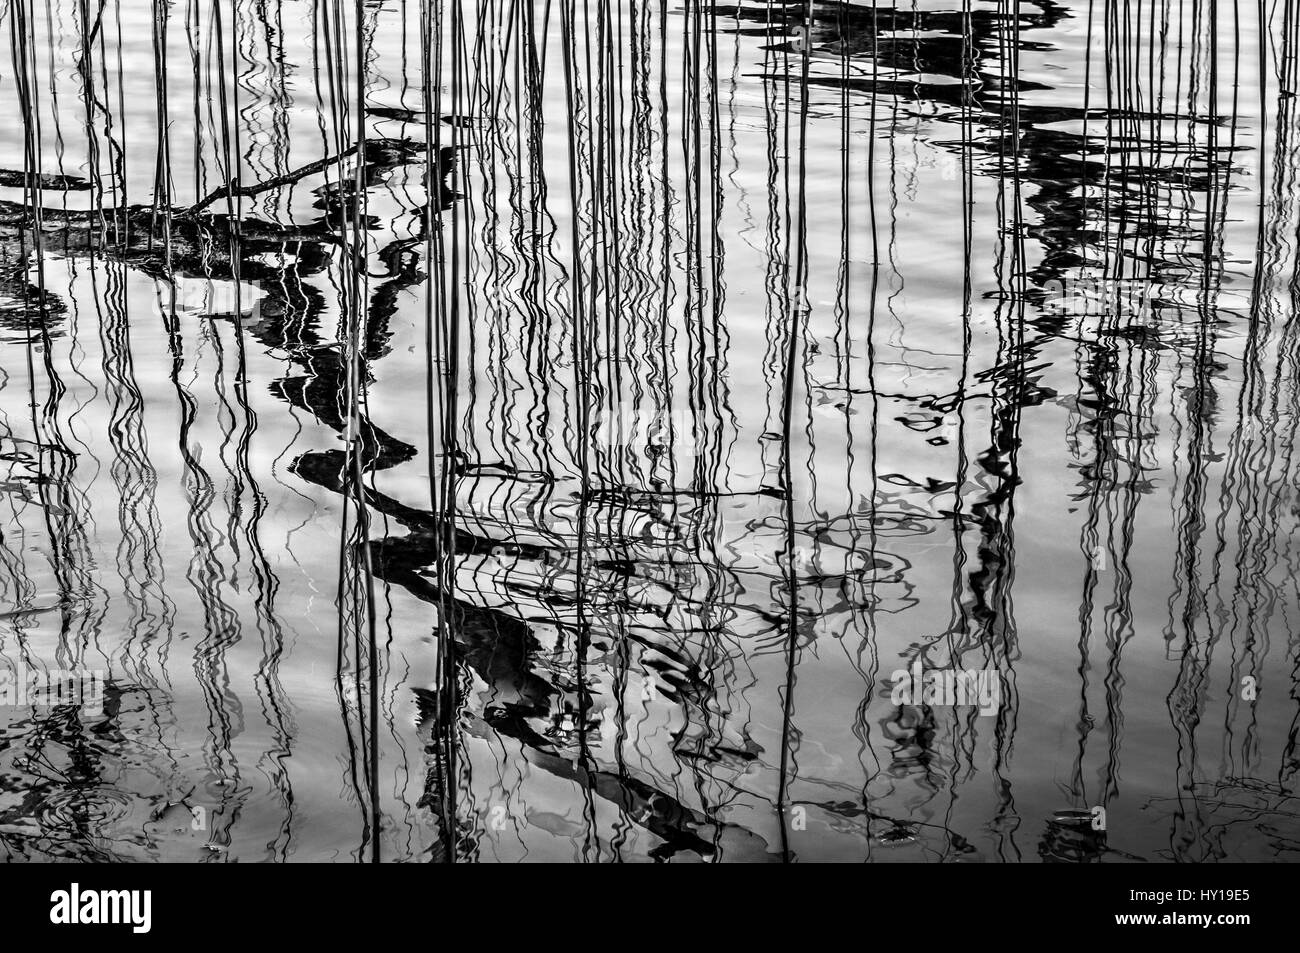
[(542, 431)]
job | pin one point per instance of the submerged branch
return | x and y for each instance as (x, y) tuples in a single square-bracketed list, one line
[(381, 153), (234, 188)]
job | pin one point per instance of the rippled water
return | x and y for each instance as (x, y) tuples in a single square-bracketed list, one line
[(554, 431)]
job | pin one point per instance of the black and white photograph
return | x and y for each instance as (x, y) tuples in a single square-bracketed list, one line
[(651, 431)]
